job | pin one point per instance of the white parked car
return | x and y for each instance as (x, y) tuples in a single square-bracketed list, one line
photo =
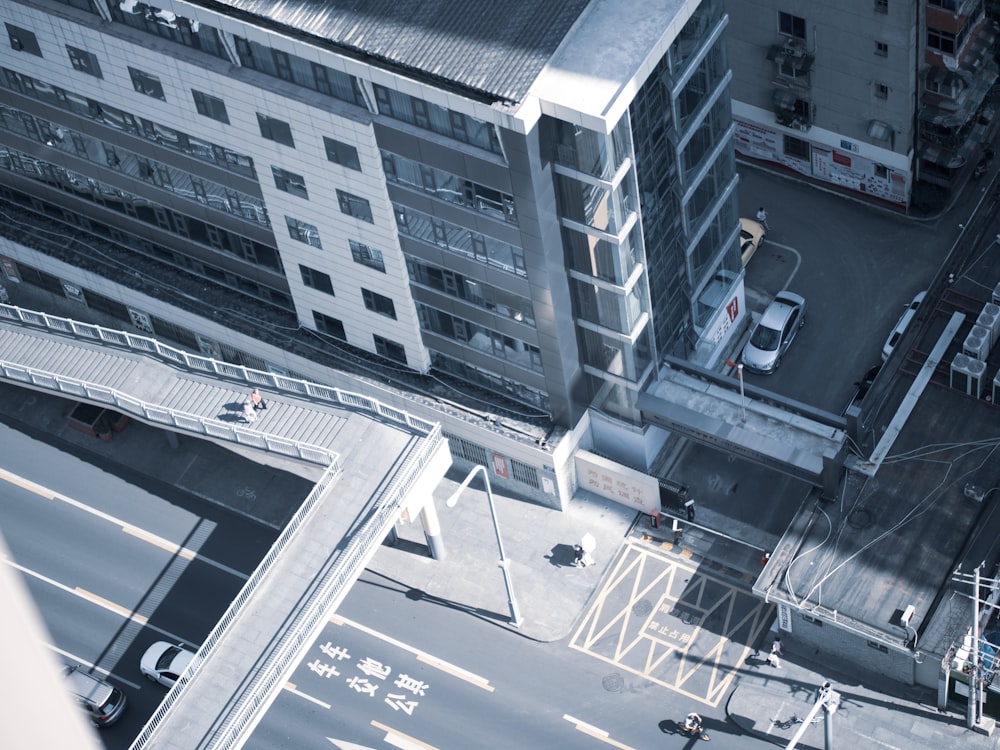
[(901, 325), (164, 662), (774, 332)]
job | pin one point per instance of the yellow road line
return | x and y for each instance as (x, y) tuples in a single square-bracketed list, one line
[(111, 606), (592, 731), (159, 541)]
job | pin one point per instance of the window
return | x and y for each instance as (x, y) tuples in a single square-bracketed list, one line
[(146, 84), (290, 182), (796, 148), (389, 349), (85, 62), (881, 91), (942, 41), (354, 206), (342, 154), (792, 26), (299, 230), (367, 256), (882, 6), (316, 279), (379, 304), (22, 40), (881, 49), (275, 130), (210, 106), (329, 325)]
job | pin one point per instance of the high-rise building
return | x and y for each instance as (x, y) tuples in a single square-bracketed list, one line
[(884, 98), (498, 213)]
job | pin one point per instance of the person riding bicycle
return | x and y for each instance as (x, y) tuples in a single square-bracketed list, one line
[(692, 723)]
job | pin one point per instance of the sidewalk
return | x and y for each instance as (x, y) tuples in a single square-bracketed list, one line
[(874, 713)]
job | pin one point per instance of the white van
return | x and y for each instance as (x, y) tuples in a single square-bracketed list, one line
[(103, 702)]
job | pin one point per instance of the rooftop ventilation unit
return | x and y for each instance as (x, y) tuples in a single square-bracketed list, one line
[(990, 318), (977, 343), (967, 374)]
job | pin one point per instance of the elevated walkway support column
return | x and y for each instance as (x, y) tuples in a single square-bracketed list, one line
[(432, 529)]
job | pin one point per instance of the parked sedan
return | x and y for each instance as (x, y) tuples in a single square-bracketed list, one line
[(774, 332), (901, 325), (164, 662), (752, 235)]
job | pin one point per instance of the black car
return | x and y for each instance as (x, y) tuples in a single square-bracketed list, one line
[(861, 387)]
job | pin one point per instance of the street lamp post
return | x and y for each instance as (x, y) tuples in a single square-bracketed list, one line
[(515, 615)]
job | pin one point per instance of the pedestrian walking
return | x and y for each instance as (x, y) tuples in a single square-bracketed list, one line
[(257, 399), (774, 658), (762, 218), (249, 413)]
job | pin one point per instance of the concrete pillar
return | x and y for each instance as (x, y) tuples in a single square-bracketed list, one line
[(432, 529)]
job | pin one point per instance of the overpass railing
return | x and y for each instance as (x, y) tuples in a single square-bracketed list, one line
[(316, 610), (334, 586), (156, 414), (201, 363)]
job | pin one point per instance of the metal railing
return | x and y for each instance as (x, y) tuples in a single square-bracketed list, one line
[(316, 610), (338, 578), (156, 414), (201, 363), (334, 585)]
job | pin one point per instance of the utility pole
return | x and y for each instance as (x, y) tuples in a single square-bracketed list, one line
[(827, 700)]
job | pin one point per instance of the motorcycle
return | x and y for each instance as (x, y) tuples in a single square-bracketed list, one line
[(697, 731), (983, 164)]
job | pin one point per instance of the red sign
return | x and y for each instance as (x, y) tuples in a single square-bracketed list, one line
[(499, 465), (733, 308)]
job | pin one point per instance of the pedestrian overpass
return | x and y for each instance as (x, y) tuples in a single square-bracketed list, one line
[(374, 462)]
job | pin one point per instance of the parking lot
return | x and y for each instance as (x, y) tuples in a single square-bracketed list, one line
[(856, 266)]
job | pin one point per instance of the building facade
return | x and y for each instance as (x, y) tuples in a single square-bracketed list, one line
[(499, 216), (884, 98)]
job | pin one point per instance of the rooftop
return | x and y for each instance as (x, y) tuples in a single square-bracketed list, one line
[(492, 49)]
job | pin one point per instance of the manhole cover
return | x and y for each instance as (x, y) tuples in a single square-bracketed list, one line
[(860, 519), (613, 683), (642, 608)]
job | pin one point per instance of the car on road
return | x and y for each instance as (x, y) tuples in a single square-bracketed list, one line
[(774, 332), (103, 702), (752, 235), (164, 662), (901, 325)]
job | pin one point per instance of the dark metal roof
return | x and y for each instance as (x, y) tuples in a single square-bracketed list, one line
[(493, 48)]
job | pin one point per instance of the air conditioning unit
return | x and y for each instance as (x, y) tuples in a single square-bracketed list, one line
[(977, 343), (990, 318), (967, 374), (907, 615)]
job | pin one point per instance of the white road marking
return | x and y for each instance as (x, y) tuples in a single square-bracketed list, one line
[(142, 534), (400, 740), (118, 609), (423, 656), (290, 687)]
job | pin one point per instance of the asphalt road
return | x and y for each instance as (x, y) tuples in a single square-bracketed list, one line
[(396, 669), (113, 568)]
